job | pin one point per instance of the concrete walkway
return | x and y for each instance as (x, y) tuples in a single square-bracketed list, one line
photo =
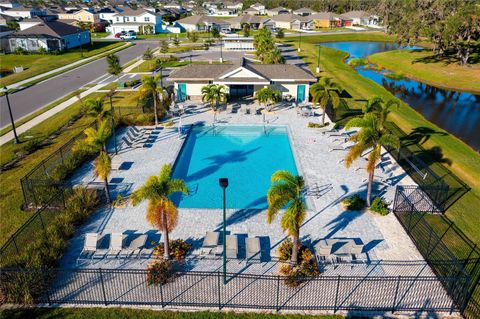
[(63, 68), (45, 115)]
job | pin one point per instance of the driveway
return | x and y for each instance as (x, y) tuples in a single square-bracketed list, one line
[(31, 99)]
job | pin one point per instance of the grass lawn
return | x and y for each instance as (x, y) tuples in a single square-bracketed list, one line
[(149, 66), (11, 197), (42, 110), (465, 161), (423, 66), (98, 35), (119, 313), (35, 64)]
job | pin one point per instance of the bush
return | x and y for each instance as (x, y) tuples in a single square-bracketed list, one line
[(32, 145), (70, 164), (306, 268), (379, 206), (132, 83), (354, 202), (317, 125), (357, 62), (178, 249), (394, 76), (159, 272)]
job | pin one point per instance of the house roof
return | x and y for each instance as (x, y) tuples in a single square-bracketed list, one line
[(290, 17), (356, 14), (257, 4), (201, 19), (324, 16), (248, 18), (278, 9), (213, 72), (50, 28), (21, 9), (250, 10), (304, 10), (129, 12)]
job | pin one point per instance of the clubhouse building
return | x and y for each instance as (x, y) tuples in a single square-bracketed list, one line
[(242, 79)]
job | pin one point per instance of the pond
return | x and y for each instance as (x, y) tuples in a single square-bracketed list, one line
[(454, 111)]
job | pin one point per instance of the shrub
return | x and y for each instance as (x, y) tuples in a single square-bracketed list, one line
[(357, 62), (32, 145), (159, 272), (62, 171), (379, 206), (178, 249), (354, 202), (317, 125), (306, 268), (394, 76)]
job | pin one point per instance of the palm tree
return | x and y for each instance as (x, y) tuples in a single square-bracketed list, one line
[(150, 86), (161, 211), (286, 191), (371, 136), (273, 57), (113, 65), (103, 166), (95, 108), (97, 138), (378, 106), (324, 92), (268, 94), (214, 94)]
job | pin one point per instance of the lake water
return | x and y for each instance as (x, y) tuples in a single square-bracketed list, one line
[(456, 112)]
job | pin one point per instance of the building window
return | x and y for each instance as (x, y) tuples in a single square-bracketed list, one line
[(126, 19), (134, 19), (118, 19), (147, 19)]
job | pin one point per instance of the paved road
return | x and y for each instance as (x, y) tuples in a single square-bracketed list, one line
[(35, 97)]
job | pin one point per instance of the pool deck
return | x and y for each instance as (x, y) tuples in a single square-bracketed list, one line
[(328, 182)]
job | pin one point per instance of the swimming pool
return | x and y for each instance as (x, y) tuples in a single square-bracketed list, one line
[(246, 155)]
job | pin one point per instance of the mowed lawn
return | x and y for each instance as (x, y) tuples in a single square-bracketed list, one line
[(465, 161), (35, 64), (124, 313), (425, 67)]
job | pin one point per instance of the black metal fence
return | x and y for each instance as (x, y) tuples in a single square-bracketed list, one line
[(206, 289), (42, 182), (438, 239)]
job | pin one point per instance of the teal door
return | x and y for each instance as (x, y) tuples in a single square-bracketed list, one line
[(300, 93), (181, 92)]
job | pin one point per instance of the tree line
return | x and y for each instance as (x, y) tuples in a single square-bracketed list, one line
[(452, 26)]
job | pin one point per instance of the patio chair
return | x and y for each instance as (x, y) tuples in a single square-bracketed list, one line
[(356, 251), (134, 247), (116, 244), (143, 128), (342, 147), (89, 246), (209, 242), (306, 112), (229, 108), (136, 138), (131, 144), (253, 248), (244, 109), (232, 246)]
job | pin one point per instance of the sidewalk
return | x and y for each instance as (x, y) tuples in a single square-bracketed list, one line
[(45, 115), (65, 67)]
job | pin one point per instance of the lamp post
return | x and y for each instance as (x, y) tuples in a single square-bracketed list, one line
[(299, 41), (224, 184), (318, 61), (113, 122), (221, 51), (80, 41), (15, 140)]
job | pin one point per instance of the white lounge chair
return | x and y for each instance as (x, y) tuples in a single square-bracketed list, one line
[(89, 246), (134, 247), (324, 253), (356, 251), (136, 138), (229, 108), (209, 243), (342, 147), (232, 246), (131, 144), (116, 245), (253, 248)]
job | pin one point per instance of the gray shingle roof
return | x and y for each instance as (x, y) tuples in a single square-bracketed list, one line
[(50, 28), (211, 72)]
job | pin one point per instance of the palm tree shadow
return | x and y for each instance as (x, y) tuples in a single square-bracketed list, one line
[(341, 222), (420, 135)]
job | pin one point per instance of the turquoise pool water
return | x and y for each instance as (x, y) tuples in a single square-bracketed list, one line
[(246, 155)]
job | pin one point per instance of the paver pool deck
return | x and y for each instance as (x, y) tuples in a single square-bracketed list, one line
[(327, 179)]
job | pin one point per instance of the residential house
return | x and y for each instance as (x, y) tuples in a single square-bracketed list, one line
[(255, 22), (25, 12), (293, 22), (173, 5), (259, 7), (107, 13), (28, 23), (251, 11), (223, 12), (4, 19), (361, 18), (4, 33), (304, 12), (277, 11), (141, 21), (49, 35), (237, 6), (202, 24), (330, 20), (242, 79), (82, 15)]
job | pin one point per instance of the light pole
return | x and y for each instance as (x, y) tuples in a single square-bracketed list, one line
[(81, 48), (318, 61), (221, 51), (15, 140), (113, 122), (299, 41), (224, 184)]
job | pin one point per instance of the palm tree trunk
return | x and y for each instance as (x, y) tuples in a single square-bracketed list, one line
[(166, 248), (155, 108), (323, 115), (369, 187), (295, 249), (107, 194)]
